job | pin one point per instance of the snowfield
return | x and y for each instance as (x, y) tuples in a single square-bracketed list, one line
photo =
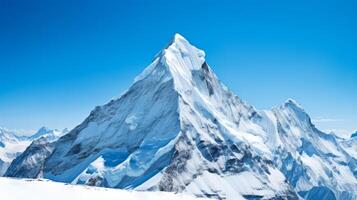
[(30, 189)]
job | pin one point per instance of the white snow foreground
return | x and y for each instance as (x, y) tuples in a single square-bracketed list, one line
[(15, 189), (179, 129)]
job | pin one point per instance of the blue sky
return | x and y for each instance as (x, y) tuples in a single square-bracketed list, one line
[(59, 59)]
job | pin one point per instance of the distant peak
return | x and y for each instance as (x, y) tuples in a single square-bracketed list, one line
[(292, 103), (43, 129), (65, 130), (354, 135)]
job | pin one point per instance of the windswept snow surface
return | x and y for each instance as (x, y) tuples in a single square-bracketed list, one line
[(179, 129), (15, 189)]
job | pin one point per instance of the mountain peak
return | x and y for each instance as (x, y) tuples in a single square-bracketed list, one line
[(291, 103), (65, 130), (178, 41), (178, 127), (43, 130), (177, 38), (354, 135), (180, 57), (292, 106), (182, 54)]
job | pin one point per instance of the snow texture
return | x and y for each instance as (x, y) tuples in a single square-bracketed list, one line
[(179, 129), (12, 145), (13, 189)]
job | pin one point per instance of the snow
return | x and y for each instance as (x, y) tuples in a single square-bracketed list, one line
[(132, 122), (316, 168), (350, 146), (46, 132), (13, 145), (14, 189), (148, 70), (12, 149), (354, 134), (178, 128)]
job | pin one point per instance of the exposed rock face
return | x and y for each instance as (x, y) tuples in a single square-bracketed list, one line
[(30, 163), (178, 128), (354, 134), (170, 131), (12, 145)]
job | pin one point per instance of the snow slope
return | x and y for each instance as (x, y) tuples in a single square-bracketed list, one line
[(179, 129), (350, 146), (15, 189)]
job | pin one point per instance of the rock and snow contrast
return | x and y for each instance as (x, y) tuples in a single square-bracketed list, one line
[(354, 134), (12, 145), (179, 129), (15, 189), (350, 146)]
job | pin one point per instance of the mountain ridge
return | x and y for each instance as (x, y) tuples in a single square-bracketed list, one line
[(180, 84), (179, 129), (13, 145)]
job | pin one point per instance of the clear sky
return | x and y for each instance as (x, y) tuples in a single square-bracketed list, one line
[(59, 59)]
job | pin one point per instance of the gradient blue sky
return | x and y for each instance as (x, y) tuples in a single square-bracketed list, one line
[(59, 59)]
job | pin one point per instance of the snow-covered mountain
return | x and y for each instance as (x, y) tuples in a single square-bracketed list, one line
[(173, 130), (29, 163), (354, 134), (315, 163), (179, 129), (48, 133), (12, 144), (15, 189), (350, 146)]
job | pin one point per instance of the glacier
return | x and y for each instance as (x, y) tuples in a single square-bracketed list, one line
[(179, 129)]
